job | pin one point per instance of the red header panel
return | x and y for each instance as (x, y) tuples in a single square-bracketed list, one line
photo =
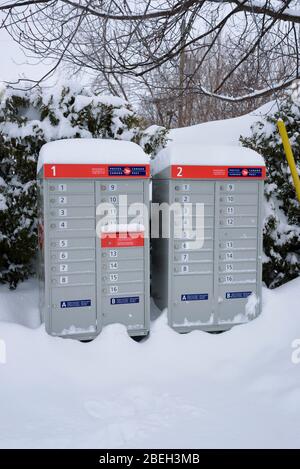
[(96, 171), (122, 240), (217, 172)]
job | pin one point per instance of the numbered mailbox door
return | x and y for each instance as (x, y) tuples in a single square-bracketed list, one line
[(71, 264), (238, 276)]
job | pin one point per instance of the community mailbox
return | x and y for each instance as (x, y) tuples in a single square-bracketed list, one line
[(94, 269), (215, 283)]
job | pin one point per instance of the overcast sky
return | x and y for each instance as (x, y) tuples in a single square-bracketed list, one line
[(14, 64)]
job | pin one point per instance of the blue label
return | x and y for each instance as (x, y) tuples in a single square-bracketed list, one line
[(232, 295), (75, 303), (127, 170), (244, 172), (125, 300), (194, 296)]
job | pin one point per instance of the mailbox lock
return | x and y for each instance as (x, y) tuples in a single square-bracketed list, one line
[(53, 225), (52, 188), (103, 188)]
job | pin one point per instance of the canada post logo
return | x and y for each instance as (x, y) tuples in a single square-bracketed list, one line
[(245, 172), (127, 171)]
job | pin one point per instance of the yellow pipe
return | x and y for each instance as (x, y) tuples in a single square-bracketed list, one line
[(289, 155)]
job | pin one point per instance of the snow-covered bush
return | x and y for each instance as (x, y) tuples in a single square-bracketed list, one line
[(281, 262), (28, 119)]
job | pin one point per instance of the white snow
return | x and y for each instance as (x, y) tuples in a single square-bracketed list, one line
[(77, 330), (91, 151), (197, 390), (123, 228), (3, 205), (221, 132), (205, 155)]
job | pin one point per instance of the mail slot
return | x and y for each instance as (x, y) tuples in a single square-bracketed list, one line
[(93, 250), (215, 283)]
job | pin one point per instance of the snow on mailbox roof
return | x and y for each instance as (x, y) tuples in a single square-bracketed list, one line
[(203, 155), (91, 151)]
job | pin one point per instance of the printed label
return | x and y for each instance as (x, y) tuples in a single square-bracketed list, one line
[(125, 300), (122, 240), (90, 171), (127, 171), (194, 297), (216, 172), (245, 172), (232, 295), (75, 303)]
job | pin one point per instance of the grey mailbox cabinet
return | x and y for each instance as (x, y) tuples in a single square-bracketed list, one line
[(217, 284), (94, 261)]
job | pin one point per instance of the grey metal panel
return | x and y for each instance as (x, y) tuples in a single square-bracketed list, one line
[(238, 254), (193, 198), (80, 275), (73, 267), (123, 272), (116, 199), (193, 187), (134, 276), (70, 261), (72, 243), (76, 321), (71, 200), (66, 254), (131, 315), (66, 186), (238, 210), (238, 187), (240, 199), (193, 256), (112, 265), (239, 234), (71, 227), (208, 288), (122, 187), (114, 254), (191, 283), (82, 213), (238, 267), (66, 279), (191, 313)]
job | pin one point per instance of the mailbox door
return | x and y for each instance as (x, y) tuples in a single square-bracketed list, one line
[(191, 266), (123, 270), (70, 258), (238, 251)]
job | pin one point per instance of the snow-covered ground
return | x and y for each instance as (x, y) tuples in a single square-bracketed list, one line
[(236, 389), (199, 390)]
